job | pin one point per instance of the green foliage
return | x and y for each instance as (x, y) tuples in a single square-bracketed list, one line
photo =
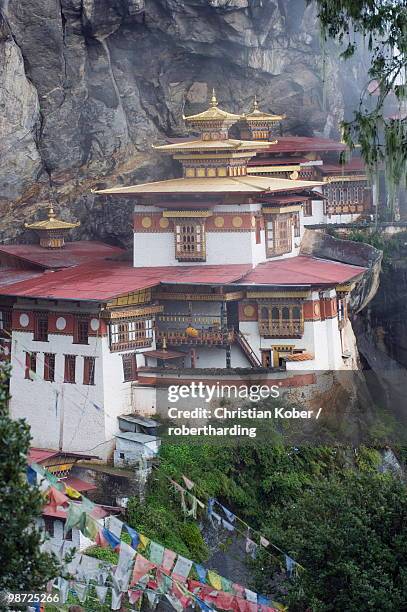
[(23, 567), (348, 531), (326, 506), (383, 25), (103, 554)]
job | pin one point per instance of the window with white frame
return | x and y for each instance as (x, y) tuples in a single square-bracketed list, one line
[(131, 333)]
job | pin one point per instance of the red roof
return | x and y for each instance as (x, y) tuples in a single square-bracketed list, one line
[(355, 164), (72, 254), (303, 271), (10, 276), (304, 144), (277, 161), (101, 281), (37, 455)]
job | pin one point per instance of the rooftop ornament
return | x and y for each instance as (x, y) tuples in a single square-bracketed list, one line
[(51, 231)]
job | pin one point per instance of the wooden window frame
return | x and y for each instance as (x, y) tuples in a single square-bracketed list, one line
[(41, 327), (129, 361), (5, 322), (70, 369), (307, 209), (49, 367), (131, 333), (277, 324), (296, 224), (89, 370), (30, 364), (273, 224), (81, 330), (195, 249)]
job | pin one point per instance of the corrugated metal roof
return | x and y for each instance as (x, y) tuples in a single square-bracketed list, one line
[(303, 144), (303, 271), (10, 276), (132, 418), (102, 280), (72, 254), (140, 438)]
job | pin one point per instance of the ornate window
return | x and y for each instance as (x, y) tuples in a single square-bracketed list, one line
[(345, 197), (131, 333), (278, 234), (281, 320), (190, 244)]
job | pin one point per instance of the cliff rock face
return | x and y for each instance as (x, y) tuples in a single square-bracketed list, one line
[(86, 86)]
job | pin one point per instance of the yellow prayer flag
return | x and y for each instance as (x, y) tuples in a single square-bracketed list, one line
[(71, 492), (144, 542), (214, 580)]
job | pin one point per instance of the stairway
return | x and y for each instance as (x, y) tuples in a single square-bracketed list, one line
[(247, 349)]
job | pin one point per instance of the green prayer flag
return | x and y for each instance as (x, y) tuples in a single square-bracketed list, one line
[(76, 518), (156, 553), (226, 585)]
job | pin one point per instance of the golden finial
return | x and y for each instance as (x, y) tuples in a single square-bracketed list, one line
[(255, 104), (214, 101), (51, 213)]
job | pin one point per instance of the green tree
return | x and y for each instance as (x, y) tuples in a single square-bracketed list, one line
[(382, 24), (23, 566), (349, 533)]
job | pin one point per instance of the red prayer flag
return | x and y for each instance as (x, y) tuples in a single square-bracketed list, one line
[(141, 567)]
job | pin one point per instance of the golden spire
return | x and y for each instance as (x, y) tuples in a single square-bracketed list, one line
[(255, 103), (214, 101), (51, 230), (51, 213)]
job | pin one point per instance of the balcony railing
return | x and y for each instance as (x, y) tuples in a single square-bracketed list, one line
[(213, 337), (291, 328)]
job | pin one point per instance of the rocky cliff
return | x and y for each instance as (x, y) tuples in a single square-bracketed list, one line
[(86, 86)]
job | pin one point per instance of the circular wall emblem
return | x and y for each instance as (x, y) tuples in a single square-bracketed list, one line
[(24, 319), (164, 223), (94, 324), (60, 323), (248, 310), (219, 221), (237, 221), (146, 222), (253, 221), (317, 311)]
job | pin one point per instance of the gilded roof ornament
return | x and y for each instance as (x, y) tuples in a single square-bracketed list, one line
[(51, 223), (213, 113), (257, 115)]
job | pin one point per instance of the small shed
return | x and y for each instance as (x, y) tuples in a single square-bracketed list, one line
[(137, 424), (132, 446)]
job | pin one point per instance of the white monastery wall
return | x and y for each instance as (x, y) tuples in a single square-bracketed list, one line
[(58, 411)]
